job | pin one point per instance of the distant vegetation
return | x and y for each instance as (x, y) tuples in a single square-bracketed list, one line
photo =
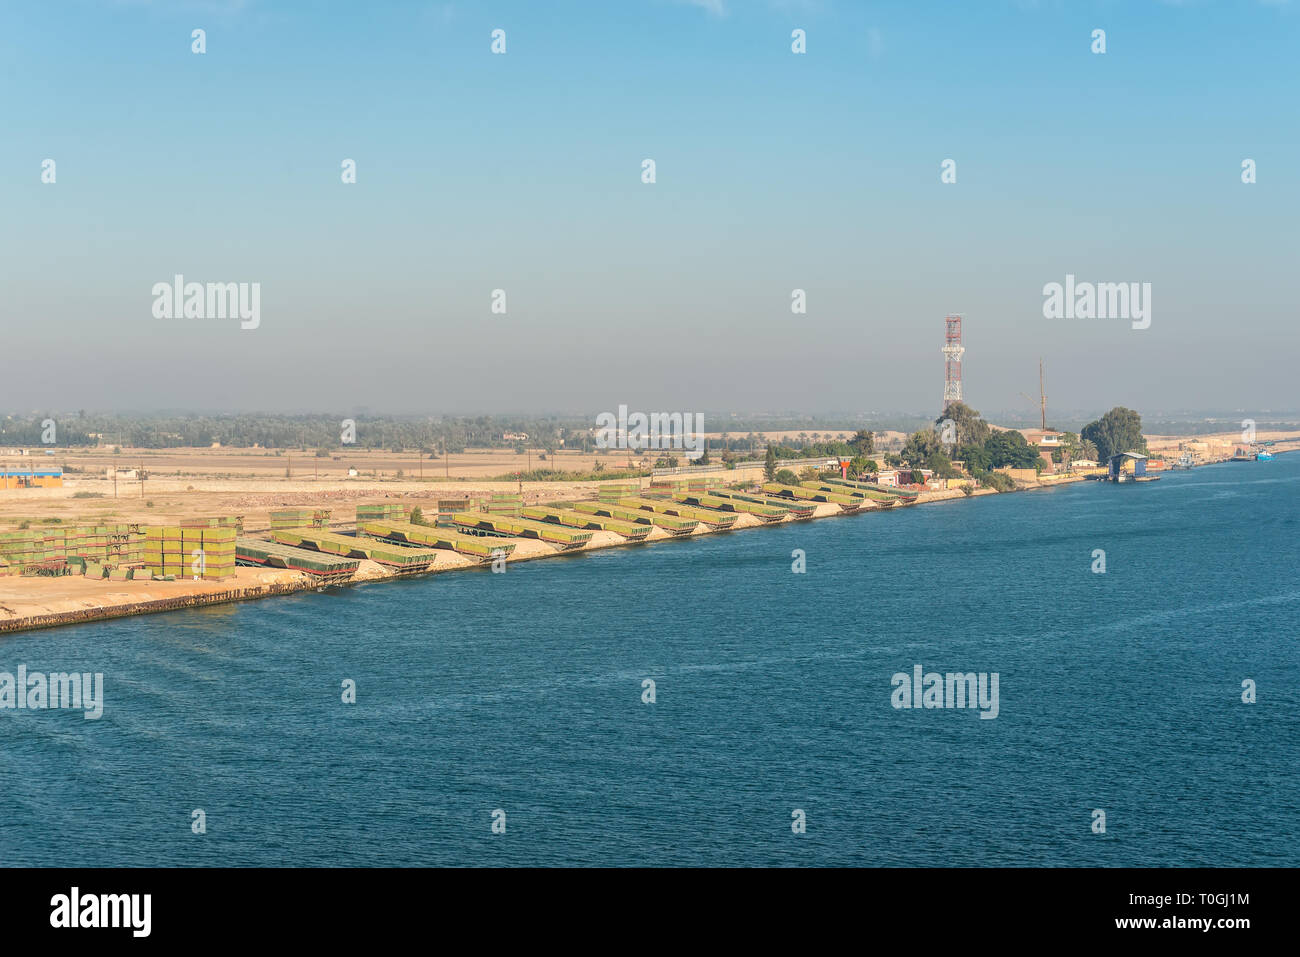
[(558, 475), (322, 435), (960, 434), (1119, 430)]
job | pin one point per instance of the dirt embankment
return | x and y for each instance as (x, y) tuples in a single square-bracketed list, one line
[(87, 499)]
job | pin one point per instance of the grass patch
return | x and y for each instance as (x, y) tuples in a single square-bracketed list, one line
[(559, 475)]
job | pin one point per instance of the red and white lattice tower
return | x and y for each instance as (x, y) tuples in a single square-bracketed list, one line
[(952, 353)]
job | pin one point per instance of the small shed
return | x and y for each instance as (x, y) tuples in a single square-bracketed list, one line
[(1116, 464)]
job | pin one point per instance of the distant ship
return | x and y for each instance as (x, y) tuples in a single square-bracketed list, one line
[(1185, 461), (1262, 456)]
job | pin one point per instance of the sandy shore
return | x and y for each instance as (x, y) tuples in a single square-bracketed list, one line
[(1217, 446), (34, 602)]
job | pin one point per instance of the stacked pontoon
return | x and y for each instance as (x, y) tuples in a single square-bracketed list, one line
[(404, 533), (611, 493), (482, 523), (300, 518), (326, 568), (880, 493), (575, 519), (331, 543), (52, 549), (707, 516), (846, 501), (669, 523), (203, 548), (384, 512), (797, 509), (764, 513)]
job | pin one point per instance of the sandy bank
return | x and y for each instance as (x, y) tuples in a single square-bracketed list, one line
[(40, 602), (33, 602)]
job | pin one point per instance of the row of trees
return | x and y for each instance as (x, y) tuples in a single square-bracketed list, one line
[(961, 434), (326, 432), (856, 449), (283, 431)]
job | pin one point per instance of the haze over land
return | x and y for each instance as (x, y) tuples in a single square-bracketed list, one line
[(522, 172)]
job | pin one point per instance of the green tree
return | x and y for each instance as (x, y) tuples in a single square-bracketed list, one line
[(920, 446), (862, 466), (970, 428), (997, 481), (769, 464), (1119, 430), (786, 477), (863, 442), (1009, 448), (941, 465), (976, 457)]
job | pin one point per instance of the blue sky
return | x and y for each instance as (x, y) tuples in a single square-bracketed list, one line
[(521, 171)]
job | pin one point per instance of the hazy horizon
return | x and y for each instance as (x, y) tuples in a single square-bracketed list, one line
[(775, 171), (738, 423)]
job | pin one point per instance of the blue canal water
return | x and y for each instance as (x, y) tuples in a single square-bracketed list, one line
[(523, 692)]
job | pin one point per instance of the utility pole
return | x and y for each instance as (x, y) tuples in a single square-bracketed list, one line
[(1042, 395), (142, 479), (114, 478), (446, 462)]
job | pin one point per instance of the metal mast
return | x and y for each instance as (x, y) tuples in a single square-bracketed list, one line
[(952, 353), (1042, 396)]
